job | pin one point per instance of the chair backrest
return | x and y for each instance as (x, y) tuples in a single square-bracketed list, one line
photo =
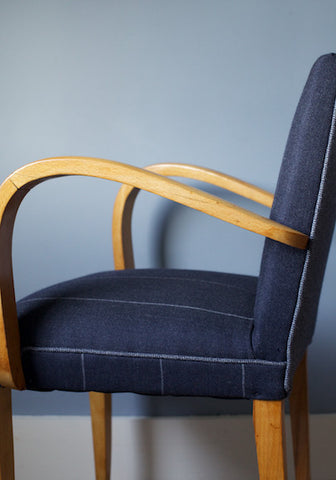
[(305, 199)]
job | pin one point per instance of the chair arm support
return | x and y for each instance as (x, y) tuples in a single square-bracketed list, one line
[(17, 185), (123, 208), (216, 178)]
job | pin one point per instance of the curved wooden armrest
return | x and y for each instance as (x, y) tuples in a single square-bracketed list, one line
[(123, 208), (15, 188), (216, 178)]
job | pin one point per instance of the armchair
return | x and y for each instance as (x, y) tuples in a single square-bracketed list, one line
[(184, 332)]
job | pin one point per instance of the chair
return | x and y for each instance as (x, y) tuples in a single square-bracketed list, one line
[(184, 332)]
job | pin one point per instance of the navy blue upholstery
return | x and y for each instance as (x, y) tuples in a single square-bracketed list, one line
[(177, 332), (146, 331), (290, 280)]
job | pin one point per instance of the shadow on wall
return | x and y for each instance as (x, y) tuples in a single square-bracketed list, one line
[(181, 233)]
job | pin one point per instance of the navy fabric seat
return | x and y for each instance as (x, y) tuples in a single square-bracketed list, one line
[(146, 331), (202, 333)]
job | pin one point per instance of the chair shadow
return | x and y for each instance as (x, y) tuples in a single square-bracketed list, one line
[(198, 447), (223, 447)]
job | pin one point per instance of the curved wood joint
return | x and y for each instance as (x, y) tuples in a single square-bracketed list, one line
[(122, 228), (269, 429), (11, 374)]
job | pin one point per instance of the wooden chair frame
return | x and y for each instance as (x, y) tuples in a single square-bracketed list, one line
[(268, 416)]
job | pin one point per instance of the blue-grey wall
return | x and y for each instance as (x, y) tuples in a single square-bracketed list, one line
[(209, 82)]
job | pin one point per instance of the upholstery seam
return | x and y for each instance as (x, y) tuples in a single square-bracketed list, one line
[(131, 302), (161, 377), (308, 255), (243, 380), (137, 277), (162, 356), (83, 371)]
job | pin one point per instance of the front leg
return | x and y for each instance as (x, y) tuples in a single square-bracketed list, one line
[(6, 435), (269, 429), (100, 404)]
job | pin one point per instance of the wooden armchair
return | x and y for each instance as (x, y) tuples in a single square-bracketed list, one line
[(184, 332)]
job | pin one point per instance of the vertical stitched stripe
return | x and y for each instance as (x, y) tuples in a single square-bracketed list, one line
[(243, 379), (161, 376), (83, 371)]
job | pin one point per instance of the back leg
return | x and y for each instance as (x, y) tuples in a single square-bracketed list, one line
[(300, 422)]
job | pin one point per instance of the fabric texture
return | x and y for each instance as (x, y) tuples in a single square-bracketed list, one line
[(168, 332), (180, 332), (290, 279)]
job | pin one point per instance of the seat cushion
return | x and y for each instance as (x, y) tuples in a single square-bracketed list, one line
[(166, 332)]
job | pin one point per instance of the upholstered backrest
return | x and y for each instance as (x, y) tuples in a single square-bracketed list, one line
[(305, 199)]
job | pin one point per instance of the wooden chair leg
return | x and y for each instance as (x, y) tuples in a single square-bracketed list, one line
[(269, 429), (100, 404), (300, 422), (6, 436)]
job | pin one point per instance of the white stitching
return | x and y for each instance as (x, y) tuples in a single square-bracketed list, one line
[(243, 379), (187, 307), (308, 255), (163, 356), (83, 371), (162, 378)]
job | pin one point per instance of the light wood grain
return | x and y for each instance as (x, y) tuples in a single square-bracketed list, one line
[(299, 413), (14, 189), (123, 207), (100, 404), (6, 436), (165, 187), (213, 177), (122, 239), (11, 373), (269, 429)]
